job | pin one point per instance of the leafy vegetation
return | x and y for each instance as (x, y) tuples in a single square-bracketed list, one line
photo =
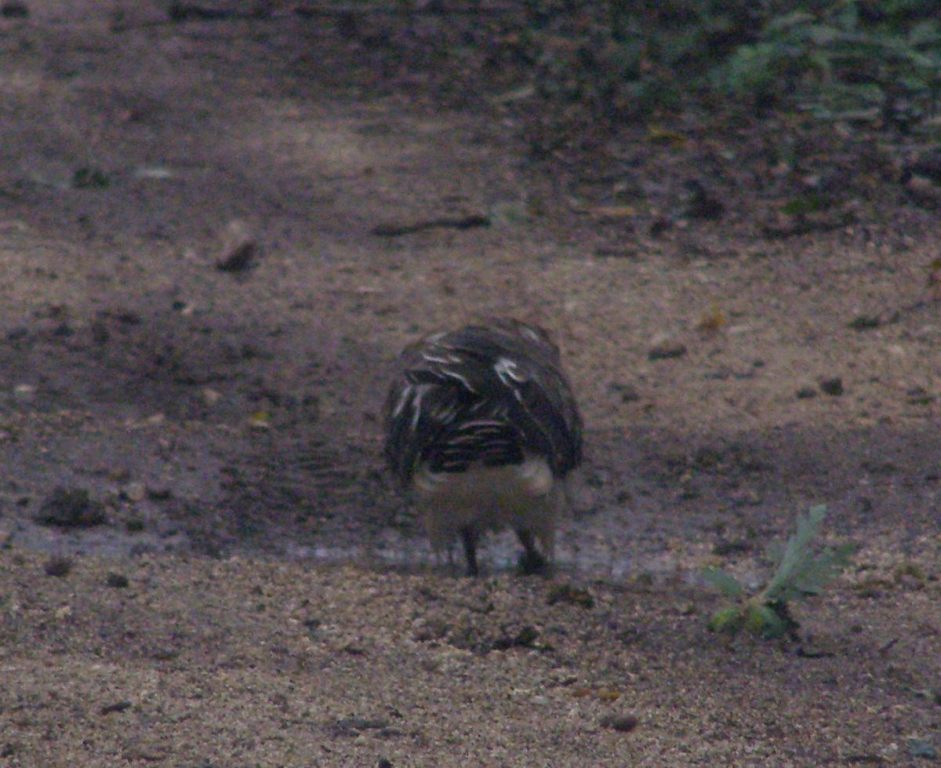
[(802, 570), (878, 62)]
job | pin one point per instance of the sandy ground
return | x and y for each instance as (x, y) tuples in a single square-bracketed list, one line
[(280, 607)]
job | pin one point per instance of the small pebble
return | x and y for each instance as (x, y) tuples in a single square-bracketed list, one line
[(622, 723), (805, 393), (127, 317), (628, 392), (570, 594), (58, 566), (239, 250), (134, 525), (702, 204), (919, 396), (924, 192), (660, 225), (134, 492), (832, 387), (666, 350), (928, 164), (24, 393), (116, 580), (865, 322), (159, 492)]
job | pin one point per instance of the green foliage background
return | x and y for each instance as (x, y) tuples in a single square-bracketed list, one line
[(852, 59)]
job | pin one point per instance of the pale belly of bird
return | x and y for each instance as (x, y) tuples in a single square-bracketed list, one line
[(522, 496)]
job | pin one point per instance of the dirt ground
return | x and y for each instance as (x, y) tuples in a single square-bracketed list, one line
[(254, 592)]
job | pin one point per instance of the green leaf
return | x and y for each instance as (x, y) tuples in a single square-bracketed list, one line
[(727, 584), (804, 204), (797, 553), (751, 70), (822, 569), (801, 571), (821, 35), (922, 748), (728, 620), (925, 33), (789, 21), (763, 620), (848, 16)]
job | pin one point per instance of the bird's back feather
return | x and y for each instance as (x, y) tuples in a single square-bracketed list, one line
[(485, 395)]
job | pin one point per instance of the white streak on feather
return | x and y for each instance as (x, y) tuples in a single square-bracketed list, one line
[(452, 374), (444, 414), (507, 370), (420, 391), (530, 334), (404, 397)]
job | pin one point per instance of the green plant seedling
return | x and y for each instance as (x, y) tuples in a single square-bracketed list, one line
[(802, 570)]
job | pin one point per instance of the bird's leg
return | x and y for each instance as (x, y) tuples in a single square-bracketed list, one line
[(469, 537), (531, 561)]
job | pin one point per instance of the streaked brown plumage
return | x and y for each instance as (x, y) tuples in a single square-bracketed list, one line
[(482, 429)]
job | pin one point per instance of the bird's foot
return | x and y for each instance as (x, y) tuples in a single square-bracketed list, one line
[(531, 563)]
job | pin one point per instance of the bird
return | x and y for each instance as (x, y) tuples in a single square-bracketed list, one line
[(482, 431)]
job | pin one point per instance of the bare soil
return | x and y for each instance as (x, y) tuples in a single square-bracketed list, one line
[(257, 593)]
